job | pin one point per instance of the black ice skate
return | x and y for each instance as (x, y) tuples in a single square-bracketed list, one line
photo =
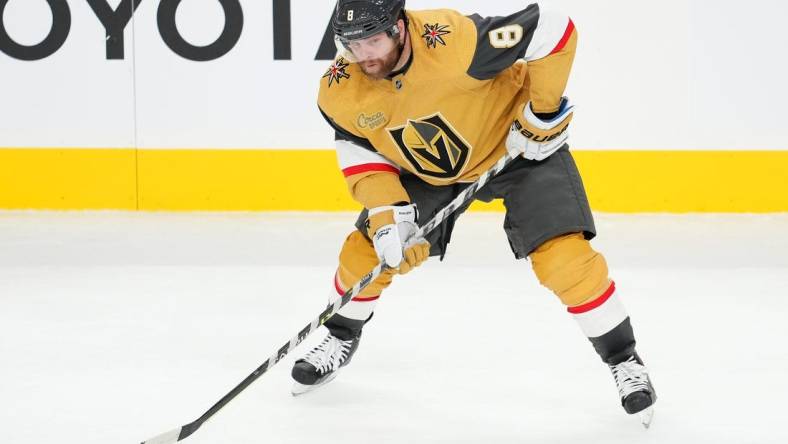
[(635, 389), (321, 364)]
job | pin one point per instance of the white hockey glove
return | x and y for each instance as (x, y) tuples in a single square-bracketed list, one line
[(392, 229), (537, 139)]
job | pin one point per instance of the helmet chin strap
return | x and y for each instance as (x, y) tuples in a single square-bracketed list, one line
[(400, 51), (401, 48)]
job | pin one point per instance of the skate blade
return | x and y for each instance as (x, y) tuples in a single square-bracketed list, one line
[(299, 389), (646, 416)]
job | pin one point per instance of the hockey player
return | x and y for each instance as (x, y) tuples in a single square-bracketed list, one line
[(422, 103)]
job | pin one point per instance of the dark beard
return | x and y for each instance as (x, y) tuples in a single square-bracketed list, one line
[(385, 65)]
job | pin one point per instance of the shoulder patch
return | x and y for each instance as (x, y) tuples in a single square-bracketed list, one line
[(433, 34), (337, 71)]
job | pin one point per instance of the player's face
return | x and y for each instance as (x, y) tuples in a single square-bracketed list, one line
[(376, 55)]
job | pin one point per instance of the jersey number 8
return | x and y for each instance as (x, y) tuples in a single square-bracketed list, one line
[(506, 36)]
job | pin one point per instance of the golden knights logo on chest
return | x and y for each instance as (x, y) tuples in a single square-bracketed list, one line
[(432, 146)]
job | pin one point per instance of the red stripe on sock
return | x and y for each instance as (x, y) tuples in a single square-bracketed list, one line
[(561, 43), (341, 292), (588, 306), (369, 299), (338, 287)]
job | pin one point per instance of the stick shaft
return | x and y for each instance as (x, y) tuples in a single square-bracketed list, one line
[(282, 351)]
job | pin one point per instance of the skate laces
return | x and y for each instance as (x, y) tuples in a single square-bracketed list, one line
[(329, 355), (631, 377)]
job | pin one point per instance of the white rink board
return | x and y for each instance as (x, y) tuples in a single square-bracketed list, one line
[(73, 98), (648, 75)]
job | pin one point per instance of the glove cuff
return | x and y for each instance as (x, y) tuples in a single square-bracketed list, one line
[(540, 131)]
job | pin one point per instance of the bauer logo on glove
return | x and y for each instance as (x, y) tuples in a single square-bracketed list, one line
[(537, 139)]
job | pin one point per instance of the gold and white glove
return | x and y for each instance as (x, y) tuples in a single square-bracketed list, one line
[(537, 139), (392, 229)]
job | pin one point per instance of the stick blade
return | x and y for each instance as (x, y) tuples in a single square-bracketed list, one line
[(646, 416), (170, 437)]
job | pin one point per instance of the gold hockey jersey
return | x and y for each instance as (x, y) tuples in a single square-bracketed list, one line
[(446, 116)]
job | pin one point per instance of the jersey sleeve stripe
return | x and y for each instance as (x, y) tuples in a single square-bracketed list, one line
[(350, 154), (549, 34), (568, 33), (367, 167)]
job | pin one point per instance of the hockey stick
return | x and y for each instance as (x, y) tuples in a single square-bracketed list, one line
[(183, 432)]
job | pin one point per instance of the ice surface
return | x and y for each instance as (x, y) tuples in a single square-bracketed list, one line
[(115, 327)]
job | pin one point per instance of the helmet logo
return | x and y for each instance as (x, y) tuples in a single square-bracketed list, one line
[(359, 19)]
